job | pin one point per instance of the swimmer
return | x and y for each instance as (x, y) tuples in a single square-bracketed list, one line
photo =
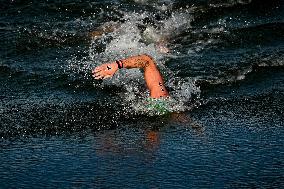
[(152, 75), (154, 81)]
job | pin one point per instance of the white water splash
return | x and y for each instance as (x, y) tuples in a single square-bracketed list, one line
[(127, 40)]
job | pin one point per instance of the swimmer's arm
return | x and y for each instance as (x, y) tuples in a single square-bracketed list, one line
[(152, 75)]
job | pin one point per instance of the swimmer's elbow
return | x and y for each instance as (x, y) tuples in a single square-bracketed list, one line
[(148, 57), (149, 60)]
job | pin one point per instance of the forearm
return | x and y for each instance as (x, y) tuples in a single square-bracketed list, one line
[(152, 75), (139, 61)]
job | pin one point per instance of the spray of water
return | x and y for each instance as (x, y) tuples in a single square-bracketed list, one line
[(126, 40)]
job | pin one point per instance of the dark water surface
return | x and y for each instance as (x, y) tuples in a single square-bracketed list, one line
[(61, 129)]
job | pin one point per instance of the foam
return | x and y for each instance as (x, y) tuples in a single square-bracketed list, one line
[(126, 40)]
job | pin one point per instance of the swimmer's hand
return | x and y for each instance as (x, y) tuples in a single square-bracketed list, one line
[(105, 70)]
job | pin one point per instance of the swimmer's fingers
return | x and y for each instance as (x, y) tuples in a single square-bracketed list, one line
[(108, 76), (100, 68), (102, 77), (103, 71), (95, 74), (99, 77), (96, 70)]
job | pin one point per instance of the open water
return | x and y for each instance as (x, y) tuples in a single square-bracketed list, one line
[(62, 129)]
